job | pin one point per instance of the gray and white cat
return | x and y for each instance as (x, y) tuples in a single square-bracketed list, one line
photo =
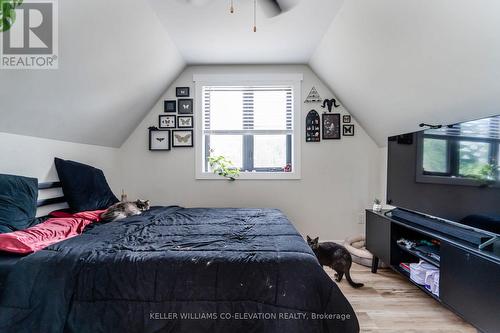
[(334, 256), (122, 210)]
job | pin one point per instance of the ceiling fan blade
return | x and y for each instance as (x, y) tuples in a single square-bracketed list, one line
[(270, 7), (286, 5)]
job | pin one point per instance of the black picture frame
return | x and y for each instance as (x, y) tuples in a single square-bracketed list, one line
[(170, 106), (348, 130), (182, 92), (176, 141), (185, 106), (346, 119), (313, 126), (158, 134), (181, 123), (172, 122), (331, 126)]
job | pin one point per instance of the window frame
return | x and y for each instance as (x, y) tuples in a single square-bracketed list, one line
[(293, 80)]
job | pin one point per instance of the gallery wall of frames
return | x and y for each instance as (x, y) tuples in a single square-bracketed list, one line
[(175, 125), (331, 125)]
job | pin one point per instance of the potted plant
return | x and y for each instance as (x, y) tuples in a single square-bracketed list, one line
[(223, 167), (377, 206)]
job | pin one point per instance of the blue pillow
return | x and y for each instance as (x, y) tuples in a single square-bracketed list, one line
[(18, 196), (84, 187)]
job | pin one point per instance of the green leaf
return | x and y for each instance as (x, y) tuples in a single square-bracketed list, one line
[(223, 167), (8, 13)]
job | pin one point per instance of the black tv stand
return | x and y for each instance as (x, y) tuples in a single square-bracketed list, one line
[(469, 275), (451, 229)]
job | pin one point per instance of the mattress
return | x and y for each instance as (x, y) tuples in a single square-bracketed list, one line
[(176, 269)]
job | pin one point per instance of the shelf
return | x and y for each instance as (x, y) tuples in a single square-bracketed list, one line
[(407, 275), (420, 255), (489, 253)]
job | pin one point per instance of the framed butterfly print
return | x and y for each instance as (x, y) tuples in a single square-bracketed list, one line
[(166, 121), (185, 106), (182, 138), (159, 140), (182, 92), (348, 130), (185, 122)]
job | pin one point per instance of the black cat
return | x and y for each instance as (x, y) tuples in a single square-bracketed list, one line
[(334, 256)]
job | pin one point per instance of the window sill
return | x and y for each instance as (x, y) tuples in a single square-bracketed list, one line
[(253, 176)]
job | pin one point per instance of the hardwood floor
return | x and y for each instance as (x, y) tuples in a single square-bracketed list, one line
[(390, 304)]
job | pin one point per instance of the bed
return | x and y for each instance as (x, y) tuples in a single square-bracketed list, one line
[(175, 269)]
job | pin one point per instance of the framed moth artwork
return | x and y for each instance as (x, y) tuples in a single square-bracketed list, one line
[(185, 106), (185, 122), (167, 121), (331, 126), (182, 92), (159, 140), (182, 138), (348, 130), (170, 106)]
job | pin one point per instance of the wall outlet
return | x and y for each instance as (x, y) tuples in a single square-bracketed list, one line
[(361, 218)]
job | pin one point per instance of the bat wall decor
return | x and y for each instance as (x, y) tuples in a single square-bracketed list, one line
[(159, 139)]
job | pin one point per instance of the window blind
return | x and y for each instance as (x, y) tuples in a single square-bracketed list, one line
[(247, 110)]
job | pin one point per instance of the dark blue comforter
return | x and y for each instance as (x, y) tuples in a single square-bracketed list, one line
[(177, 270)]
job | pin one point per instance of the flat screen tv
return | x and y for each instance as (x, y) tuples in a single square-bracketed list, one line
[(450, 172)]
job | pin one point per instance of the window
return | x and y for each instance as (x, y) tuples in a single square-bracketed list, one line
[(252, 123)]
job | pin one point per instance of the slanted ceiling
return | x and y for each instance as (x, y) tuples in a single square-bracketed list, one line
[(392, 63), (397, 63), (116, 60)]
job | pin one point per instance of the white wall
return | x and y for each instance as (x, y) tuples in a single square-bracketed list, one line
[(339, 177), (34, 157)]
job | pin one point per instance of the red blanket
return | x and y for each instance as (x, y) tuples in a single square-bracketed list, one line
[(59, 228)]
